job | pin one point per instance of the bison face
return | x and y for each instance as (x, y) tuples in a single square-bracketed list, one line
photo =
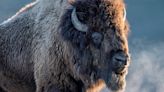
[(96, 31)]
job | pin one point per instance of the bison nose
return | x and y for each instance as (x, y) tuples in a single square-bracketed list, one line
[(120, 59)]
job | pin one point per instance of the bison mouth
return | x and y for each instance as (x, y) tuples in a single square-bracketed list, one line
[(120, 62), (120, 70)]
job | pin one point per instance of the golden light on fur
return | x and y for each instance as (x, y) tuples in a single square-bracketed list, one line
[(97, 87)]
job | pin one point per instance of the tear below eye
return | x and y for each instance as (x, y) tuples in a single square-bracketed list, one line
[(97, 38)]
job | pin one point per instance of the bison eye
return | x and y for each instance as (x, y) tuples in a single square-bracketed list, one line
[(97, 38)]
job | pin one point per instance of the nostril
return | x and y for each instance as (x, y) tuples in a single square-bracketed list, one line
[(120, 58)]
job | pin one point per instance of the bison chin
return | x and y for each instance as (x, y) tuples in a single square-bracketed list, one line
[(111, 78), (113, 83), (106, 79), (108, 75)]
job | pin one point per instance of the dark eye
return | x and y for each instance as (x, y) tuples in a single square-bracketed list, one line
[(97, 39)]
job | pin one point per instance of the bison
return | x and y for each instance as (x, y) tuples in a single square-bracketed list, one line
[(65, 46)]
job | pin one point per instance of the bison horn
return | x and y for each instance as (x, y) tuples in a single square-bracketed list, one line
[(76, 23), (124, 14)]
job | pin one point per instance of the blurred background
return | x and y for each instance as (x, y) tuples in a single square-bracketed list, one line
[(146, 41)]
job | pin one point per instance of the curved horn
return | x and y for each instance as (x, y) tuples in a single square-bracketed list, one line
[(76, 23), (124, 14)]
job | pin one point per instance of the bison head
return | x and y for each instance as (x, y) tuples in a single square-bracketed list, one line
[(95, 32)]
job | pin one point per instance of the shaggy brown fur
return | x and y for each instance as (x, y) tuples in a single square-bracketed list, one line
[(105, 17), (44, 52), (102, 15), (97, 87)]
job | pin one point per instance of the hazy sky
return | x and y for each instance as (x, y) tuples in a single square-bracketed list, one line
[(146, 41), (146, 18)]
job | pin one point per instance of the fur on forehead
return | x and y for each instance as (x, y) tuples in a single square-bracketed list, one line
[(99, 5), (100, 14)]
